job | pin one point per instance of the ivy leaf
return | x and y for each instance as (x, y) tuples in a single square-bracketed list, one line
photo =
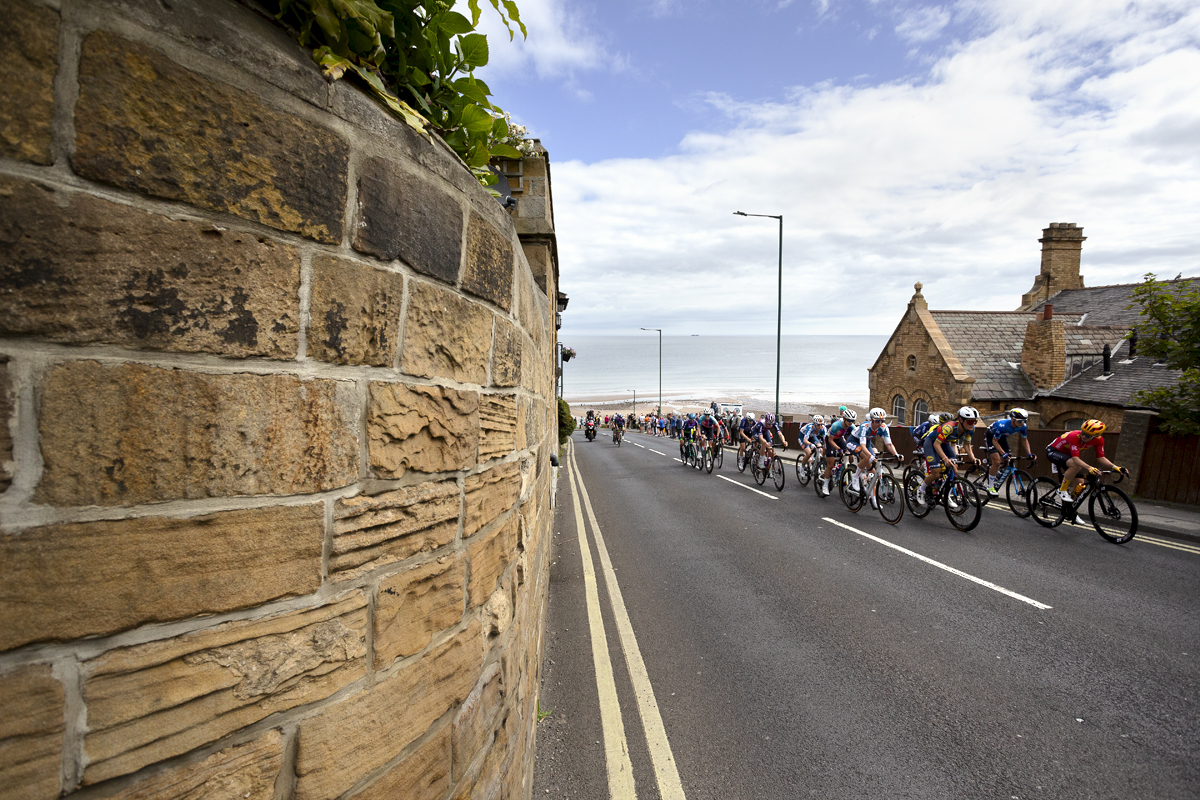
[(470, 89), (374, 18), (454, 23), (476, 120), (500, 128), (474, 50), (478, 156), (328, 19), (505, 150)]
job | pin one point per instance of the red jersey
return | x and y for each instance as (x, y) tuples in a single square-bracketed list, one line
[(1072, 442)]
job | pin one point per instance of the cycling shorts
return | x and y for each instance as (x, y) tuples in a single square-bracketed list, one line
[(853, 444), (832, 449), (932, 459), (1058, 459)]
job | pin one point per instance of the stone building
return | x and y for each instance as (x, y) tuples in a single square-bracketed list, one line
[(1047, 356)]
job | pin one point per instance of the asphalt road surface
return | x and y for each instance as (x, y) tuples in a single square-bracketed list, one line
[(771, 653)]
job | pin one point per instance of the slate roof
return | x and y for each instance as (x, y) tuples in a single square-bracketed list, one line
[(1128, 377), (1104, 305), (988, 344)]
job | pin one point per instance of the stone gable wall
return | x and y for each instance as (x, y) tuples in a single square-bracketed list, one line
[(277, 411), (932, 380)]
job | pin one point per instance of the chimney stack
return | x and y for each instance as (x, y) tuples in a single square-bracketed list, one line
[(1062, 244), (1044, 353)]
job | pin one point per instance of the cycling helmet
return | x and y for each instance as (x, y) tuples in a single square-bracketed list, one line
[(708, 412), (691, 415), (841, 409), (935, 418), (877, 414), (818, 419), (1093, 427), (966, 412), (1019, 413), (768, 418), (849, 414)]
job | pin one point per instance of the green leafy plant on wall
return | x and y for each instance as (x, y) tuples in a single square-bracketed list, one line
[(1170, 330), (419, 58)]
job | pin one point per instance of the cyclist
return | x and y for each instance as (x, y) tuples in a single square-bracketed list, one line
[(618, 426), (1064, 455), (941, 447), (710, 429), (812, 437), (690, 428), (835, 442), (918, 433), (995, 439), (765, 432), (860, 440), (745, 434)]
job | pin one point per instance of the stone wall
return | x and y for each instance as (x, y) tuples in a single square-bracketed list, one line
[(919, 364), (277, 404)]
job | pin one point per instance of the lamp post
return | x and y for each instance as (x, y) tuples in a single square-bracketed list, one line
[(659, 367), (634, 414), (779, 316)]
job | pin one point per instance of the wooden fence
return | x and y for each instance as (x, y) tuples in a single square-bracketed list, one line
[(1171, 469)]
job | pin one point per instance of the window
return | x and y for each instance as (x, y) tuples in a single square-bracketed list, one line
[(1073, 424), (912, 362), (898, 409), (920, 411)]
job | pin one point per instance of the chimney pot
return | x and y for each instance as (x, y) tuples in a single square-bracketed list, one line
[(1048, 312)]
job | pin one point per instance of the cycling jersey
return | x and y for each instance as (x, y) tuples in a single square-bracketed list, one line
[(1071, 443), (689, 427), (813, 433), (747, 426), (766, 431), (864, 433), (1003, 427), (709, 427), (918, 433), (949, 433)]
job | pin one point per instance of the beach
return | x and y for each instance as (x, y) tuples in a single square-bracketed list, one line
[(611, 404)]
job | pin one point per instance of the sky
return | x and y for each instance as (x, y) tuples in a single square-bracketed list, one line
[(900, 141)]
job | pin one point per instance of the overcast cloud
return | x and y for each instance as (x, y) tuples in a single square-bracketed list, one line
[(1026, 112)]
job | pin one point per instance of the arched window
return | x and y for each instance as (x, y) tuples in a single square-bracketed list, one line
[(912, 362), (898, 409), (920, 411)]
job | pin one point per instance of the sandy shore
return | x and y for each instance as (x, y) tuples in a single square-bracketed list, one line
[(623, 403)]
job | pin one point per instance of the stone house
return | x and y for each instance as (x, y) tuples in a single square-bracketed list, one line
[(1048, 356)]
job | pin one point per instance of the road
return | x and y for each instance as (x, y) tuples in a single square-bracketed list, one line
[(790, 657)]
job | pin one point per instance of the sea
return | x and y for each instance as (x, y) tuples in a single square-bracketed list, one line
[(813, 369)]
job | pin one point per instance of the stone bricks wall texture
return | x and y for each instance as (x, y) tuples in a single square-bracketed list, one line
[(277, 411)]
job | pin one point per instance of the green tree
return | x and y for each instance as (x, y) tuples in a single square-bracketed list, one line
[(566, 422), (1170, 331)]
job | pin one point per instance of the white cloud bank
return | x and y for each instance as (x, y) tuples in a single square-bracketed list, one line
[(1083, 111)]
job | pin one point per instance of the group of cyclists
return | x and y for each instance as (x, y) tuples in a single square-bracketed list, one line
[(943, 441)]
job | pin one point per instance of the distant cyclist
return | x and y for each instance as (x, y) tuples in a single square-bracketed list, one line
[(941, 445), (766, 432), (812, 437), (995, 439), (835, 442), (860, 440), (710, 429)]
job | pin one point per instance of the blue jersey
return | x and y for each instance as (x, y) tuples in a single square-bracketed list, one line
[(1003, 427), (864, 433), (839, 429), (747, 425), (766, 431), (812, 432), (918, 433)]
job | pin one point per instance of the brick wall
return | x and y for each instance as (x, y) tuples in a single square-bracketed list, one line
[(275, 379)]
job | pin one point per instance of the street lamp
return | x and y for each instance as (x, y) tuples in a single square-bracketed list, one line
[(779, 317), (659, 367), (634, 402)]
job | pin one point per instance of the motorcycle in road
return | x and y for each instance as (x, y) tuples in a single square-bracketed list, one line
[(590, 430)]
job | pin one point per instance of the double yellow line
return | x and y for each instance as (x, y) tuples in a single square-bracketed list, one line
[(616, 746)]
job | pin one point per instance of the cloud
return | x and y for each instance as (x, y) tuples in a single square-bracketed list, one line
[(1063, 111), (559, 45), (922, 24)]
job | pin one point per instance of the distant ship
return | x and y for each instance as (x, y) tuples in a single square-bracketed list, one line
[(695, 334)]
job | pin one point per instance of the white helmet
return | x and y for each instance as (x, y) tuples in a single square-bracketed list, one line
[(877, 414), (935, 418), (818, 419), (849, 415), (1019, 413), (966, 412)]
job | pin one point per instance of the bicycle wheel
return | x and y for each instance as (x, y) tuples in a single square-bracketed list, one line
[(914, 482), (888, 498), (742, 460), (850, 496), (963, 506), (981, 481), (759, 472), (1113, 514), (777, 473), (1044, 504), (1017, 492), (803, 472), (818, 478), (708, 459), (719, 458)]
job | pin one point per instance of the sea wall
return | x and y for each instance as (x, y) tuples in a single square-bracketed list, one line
[(277, 411)]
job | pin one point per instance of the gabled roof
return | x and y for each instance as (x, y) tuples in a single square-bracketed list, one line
[(988, 343), (1105, 305)]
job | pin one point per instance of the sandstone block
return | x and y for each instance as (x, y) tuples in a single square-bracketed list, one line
[(423, 428), (535, 369), (242, 772), (541, 262), (489, 494), (424, 775), (497, 425), (6, 443), (506, 355), (355, 313), (417, 604), (498, 612), (78, 269), (489, 268), (445, 336), (364, 732), (402, 216), (145, 124), (121, 574), (29, 40), (155, 701), (128, 434), (489, 556), (31, 734), (374, 531), (475, 721), (533, 309)]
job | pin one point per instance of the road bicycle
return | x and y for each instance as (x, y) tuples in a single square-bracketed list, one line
[(1112, 513), (717, 453), (957, 495), (744, 457), (804, 471), (687, 452), (617, 437), (767, 464), (704, 457), (1016, 482), (879, 485), (835, 477)]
